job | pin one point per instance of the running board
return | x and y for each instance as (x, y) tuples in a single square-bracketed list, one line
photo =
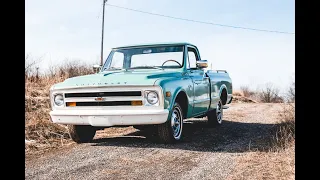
[(225, 107)]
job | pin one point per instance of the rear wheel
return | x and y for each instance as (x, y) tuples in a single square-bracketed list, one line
[(81, 133), (215, 116), (171, 131)]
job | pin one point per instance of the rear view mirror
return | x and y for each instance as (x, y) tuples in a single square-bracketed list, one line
[(202, 64), (96, 68)]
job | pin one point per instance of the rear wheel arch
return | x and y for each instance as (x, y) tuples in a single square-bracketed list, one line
[(223, 94)]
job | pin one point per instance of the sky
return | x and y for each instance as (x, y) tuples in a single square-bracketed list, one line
[(66, 30)]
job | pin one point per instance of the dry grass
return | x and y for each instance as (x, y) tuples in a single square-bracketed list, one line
[(245, 95), (266, 165), (284, 131), (237, 93), (278, 162), (246, 91), (269, 93), (38, 126), (239, 97), (242, 99)]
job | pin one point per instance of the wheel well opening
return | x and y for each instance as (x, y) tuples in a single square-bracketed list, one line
[(224, 96), (182, 99)]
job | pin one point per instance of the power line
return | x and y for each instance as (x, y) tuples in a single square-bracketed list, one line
[(215, 24)]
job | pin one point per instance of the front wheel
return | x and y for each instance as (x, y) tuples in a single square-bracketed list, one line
[(171, 131), (81, 133), (215, 116)]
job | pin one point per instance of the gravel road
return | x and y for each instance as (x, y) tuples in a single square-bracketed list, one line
[(205, 153)]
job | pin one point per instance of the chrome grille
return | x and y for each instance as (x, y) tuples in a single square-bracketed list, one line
[(103, 98), (103, 94)]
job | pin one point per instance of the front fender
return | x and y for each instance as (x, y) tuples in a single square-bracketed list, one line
[(174, 97), (175, 86)]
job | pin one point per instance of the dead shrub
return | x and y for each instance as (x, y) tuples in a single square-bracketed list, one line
[(45, 136), (237, 93), (70, 69), (239, 97), (43, 130), (246, 91), (291, 93), (242, 99), (36, 103), (269, 94)]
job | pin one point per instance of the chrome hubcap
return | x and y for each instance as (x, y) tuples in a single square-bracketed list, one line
[(219, 112), (176, 122)]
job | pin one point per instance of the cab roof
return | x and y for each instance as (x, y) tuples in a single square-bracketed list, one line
[(154, 44)]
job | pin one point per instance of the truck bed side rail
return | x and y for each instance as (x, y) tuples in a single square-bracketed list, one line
[(217, 71)]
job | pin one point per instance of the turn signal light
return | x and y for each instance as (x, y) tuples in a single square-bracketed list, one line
[(71, 104), (136, 103)]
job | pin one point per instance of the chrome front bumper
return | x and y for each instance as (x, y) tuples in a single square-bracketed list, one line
[(107, 118)]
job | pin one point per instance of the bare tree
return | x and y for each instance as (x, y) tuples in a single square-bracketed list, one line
[(270, 94), (28, 65), (291, 93), (31, 68)]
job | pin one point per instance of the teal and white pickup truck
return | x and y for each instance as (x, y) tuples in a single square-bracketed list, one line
[(145, 86)]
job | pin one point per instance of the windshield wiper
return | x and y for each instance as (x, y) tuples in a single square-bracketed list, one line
[(112, 68), (145, 67)]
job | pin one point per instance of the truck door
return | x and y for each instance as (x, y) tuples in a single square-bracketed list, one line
[(201, 98)]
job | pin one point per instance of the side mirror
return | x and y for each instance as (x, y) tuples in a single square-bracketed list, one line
[(96, 68), (202, 64)]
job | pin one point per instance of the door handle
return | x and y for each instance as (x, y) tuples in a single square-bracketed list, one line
[(197, 81)]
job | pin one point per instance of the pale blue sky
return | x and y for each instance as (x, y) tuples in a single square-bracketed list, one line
[(71, 29)]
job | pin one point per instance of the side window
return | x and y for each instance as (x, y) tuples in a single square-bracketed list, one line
[(117, 60), (192, 58)]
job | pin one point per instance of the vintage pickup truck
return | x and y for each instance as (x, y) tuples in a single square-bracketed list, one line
[(145, 86)]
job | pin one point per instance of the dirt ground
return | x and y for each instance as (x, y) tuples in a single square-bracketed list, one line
[(235, 150)]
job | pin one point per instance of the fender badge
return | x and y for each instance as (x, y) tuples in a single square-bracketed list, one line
[(99, 99)]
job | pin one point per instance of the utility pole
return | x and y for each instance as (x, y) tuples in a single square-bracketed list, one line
[(101, 61)]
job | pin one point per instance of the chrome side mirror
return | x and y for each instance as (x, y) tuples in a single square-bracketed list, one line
[(96, 68), (202, 64)]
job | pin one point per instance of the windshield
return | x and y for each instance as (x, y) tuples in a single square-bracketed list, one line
[(145, 58)]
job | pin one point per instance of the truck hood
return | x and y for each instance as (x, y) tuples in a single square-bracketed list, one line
[(118, 78)]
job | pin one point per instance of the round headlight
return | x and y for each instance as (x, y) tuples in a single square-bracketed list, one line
[(58, 99), (152, 97)]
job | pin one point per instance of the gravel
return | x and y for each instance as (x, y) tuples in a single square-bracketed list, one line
[(204, 153)]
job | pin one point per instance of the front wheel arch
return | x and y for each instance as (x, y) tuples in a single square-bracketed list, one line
[(182, 100)]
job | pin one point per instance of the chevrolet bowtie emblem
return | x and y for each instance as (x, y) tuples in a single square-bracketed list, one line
[(99, 99)]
